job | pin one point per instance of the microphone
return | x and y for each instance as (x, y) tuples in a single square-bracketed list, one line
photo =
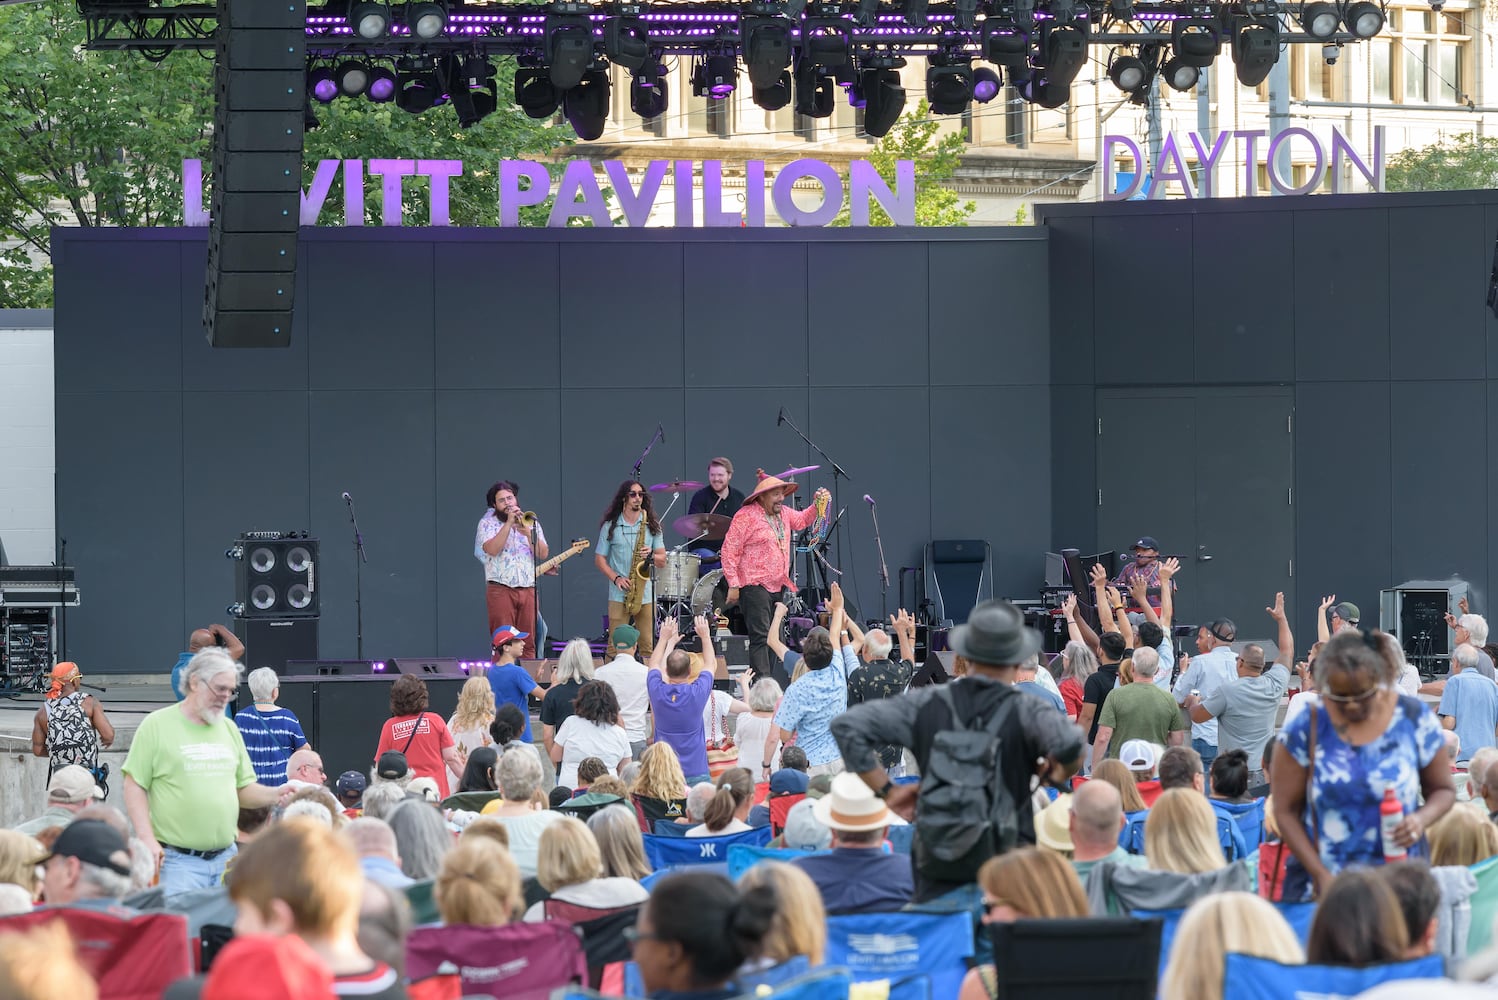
[(346, 496), (780, 419), (868, 500)]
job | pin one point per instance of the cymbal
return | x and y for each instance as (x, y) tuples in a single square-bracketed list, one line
[(798, 471), (712, 527), (679, 486)]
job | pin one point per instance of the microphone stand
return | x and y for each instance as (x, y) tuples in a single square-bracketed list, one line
[(883, 569), (657, 436), (359, 559), (62, 612), (837, 473)]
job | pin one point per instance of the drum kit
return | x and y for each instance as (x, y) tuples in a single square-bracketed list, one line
[(687, 586)]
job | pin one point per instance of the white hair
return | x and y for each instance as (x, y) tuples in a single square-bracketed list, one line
[(698, 798), (381, 799), (101, 883), (310, 809), (1466, 655), (575, 663), (878, 643), (764, 695), (1477, 628), (208, 664), (1146, 662), (263, 683), (1477, 768), (371, 836)]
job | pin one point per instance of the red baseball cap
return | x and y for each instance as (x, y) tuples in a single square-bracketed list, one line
[(508, 633)]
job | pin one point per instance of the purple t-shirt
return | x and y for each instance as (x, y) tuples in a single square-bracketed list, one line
[(678, 717)]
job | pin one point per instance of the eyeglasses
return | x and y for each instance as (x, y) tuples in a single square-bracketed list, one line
[(222, 692), (1351, 699), (634, 935)]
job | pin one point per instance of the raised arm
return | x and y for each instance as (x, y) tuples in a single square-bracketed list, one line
[(1077, 627), (1168, 569), (1139, 589), (904, 628), (1285, 639), (665, 644), (1125, 627), (1100, 599), (1323, 630), (773, 640)]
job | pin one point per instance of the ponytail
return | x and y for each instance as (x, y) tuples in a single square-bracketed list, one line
[(719, 812)]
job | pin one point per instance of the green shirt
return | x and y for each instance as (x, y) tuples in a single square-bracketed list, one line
[(1140, 711), (1119, 856), (193, 774)]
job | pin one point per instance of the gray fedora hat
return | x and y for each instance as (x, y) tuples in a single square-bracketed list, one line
[(995, 634)]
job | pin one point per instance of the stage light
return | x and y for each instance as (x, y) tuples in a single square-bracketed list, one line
[(1195, 41), (426, 18), (1006, 46), (352, 77), (369, 18), (986, 84), (1129, 73), (1256, 46), (625, 41), (767, 50), (949, 87), (537, 96), (1320, 20), (1179, 75), (381, 85), (825, 43), (1364, 19), (867, 14), (587, 105), (471, 88), (720, 75), (417, 88), (1038, 90), (569, 47), (649, 97), (321, 85), (915, 13), (815, 92), (1065, 49), (883, 100), (775, 96)]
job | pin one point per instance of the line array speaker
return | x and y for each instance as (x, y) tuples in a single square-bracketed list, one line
[(258, 123)]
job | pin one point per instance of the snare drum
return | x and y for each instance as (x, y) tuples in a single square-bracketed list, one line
[(674, 581)]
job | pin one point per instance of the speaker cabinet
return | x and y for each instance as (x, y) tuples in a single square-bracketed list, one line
[(271, 642), (275, 576)]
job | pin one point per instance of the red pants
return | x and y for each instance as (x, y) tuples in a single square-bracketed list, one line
[(513, 606)]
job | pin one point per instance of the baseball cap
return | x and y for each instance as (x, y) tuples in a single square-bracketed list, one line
[(788, 781), (351, 784), (1147, 542), (94, 841), (803, 832), (1347, 611), (624, 636), (263, 967), (1138, 755), (392, 766), (73, 784), (508, 633), (1223, 629)]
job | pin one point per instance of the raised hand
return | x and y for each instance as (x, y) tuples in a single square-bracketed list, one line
[(1277, 610), (777, 613), (1114, 598), (1169, 568), (1099, 576), (1139, 587), (700, 624), (1461, 606), (1327, 602), (1069, 605), (835, 603), (669, 630)]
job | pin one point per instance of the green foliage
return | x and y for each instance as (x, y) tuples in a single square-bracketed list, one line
[(1463, 162), (914, 137), (98, 139)]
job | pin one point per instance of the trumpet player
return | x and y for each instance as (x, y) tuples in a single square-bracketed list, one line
[(629, 543), (509, 543)]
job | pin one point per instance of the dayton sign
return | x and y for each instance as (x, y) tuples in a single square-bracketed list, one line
[(578, 195), (1170, 166)]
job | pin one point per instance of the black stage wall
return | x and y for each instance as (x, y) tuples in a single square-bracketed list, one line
[(424, 364), (1195, 329)]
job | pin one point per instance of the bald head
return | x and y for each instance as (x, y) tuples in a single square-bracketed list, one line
[(200, 639), (1253, 657), (1096, 819), (372, 838), (306, 765)]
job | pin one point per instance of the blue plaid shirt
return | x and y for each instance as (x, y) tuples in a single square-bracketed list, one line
[(811, 703)]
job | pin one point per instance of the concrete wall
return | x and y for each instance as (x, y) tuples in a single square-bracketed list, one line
[(28, 467)]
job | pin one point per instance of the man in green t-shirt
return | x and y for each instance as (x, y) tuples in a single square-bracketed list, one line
[(1139, 711), (187, 776)]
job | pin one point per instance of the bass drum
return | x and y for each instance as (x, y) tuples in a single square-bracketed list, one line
[(710, 595)]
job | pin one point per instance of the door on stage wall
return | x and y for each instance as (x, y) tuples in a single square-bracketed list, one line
[(1209, 473)]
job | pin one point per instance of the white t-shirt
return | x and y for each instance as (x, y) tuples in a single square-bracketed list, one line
[(626, 675), (580, 738), (735, 825), (1301, 701), (525, 835), (1409, 680), (749, 736), (720, 703), (599, 893)]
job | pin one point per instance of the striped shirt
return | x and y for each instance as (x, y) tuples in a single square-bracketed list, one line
[(270, 737)]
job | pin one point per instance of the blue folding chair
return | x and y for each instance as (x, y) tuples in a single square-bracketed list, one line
[(792, 978), (1230, 835), (1131, 837), (675, 852), (649, 881), (671, 828), (920, 954), (1247, 977), (742, 857), (1250, 819), (899, 838)]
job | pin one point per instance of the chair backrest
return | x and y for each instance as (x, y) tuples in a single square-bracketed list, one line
[(672, 852), (780, 807), (1484, 905), (742, 857), (1131, 837), (131, 958), (670, 828), (1297, 915), (959, 574), (423, 901), (904, 948), (507, 963), (1250, 819), (900, 838), (602, 931), (471, 801), (1247, 977), (1037, 959), (792, 979), (1230, 836)]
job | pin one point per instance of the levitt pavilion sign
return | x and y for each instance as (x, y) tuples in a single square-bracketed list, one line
[(578, 194)]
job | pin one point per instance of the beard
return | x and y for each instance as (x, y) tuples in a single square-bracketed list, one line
[(207, 715)]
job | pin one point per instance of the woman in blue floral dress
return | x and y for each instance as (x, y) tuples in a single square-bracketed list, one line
[(1367, 738)]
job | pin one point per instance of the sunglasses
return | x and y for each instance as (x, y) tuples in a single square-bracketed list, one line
[(635, 493), (633, 935), (1351, 699)]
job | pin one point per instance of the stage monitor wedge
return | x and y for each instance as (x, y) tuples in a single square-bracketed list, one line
[(259, 109)]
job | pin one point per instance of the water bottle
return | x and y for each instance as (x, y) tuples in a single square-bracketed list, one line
[(1390, 815)]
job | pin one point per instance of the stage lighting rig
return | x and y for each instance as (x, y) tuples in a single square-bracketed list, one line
[(986, 84), (537, 96), (1063, 47), (321, 86), (949, 84), (716, 76), (569, 43), (1321, 20), (816, 91), (883, 99), (767, 49), (776, 95), (587, 105), (649, 95), (369, 19), (625, 40), (426, 19), (1256, 47), (352, 77), (1133, 72), (471, 87), (1195, 41), (826, 39), (1006, 44)]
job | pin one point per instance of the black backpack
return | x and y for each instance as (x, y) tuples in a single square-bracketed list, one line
[(966, 814)]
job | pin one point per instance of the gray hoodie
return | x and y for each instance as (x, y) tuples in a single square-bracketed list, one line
[(1114, 889)]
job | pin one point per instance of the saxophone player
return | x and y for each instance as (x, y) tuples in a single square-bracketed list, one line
[(629, 543), (757, 561), (504, 544)]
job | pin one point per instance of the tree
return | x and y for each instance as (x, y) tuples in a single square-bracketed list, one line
[(914, 137), (1463, 162), (98, 139)]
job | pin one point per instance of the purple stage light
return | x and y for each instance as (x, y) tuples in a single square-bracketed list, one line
[(985, 91), (720, 91), (381, 89)]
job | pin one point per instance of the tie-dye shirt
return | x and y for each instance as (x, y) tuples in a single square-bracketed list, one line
[(1349, 781)]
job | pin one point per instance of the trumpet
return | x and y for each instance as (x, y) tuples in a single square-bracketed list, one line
[(524, 518)]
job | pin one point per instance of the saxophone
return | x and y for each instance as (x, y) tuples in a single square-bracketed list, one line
[(639, 570)]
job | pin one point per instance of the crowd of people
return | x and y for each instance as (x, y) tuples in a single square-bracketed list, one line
[(1118, 777)]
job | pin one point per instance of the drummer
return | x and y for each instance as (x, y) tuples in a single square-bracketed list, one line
[(717, 497)]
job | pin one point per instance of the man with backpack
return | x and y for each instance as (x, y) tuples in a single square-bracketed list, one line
[(978, 742)]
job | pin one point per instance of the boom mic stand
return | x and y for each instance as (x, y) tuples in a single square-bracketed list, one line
[(883, 569), (837, 473), (360, 558), (658, 437)]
